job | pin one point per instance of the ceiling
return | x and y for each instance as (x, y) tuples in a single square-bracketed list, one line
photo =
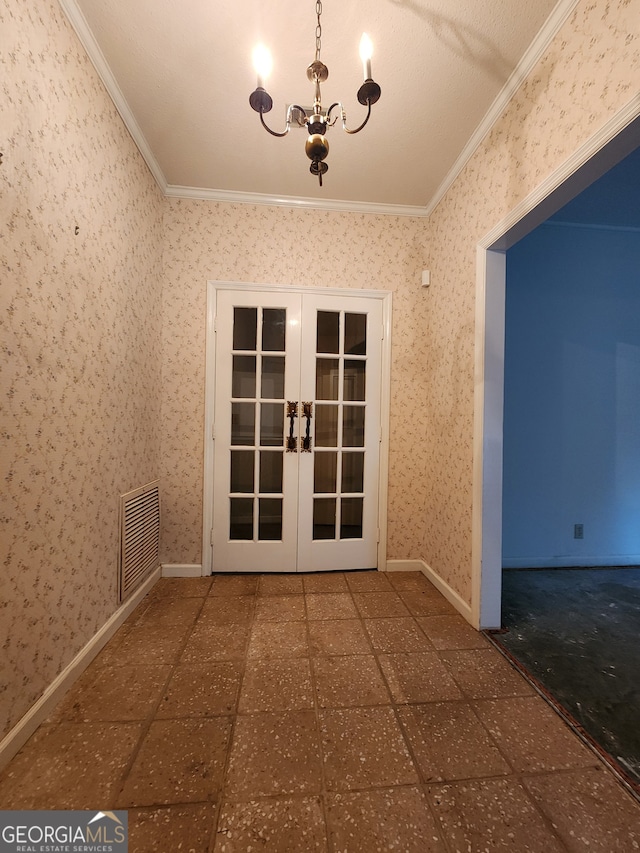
[(181, 75)]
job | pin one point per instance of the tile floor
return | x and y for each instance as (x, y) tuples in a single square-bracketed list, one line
[(334, 712)]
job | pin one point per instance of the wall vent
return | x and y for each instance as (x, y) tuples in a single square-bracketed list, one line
[(139, 537)]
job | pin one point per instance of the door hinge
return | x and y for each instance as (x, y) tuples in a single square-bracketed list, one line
[(211, 537), (213, 432), (378, 539)]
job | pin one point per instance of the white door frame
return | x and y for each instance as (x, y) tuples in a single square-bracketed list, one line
[(210, 366), (617, 138)]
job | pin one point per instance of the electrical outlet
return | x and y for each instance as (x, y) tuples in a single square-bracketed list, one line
[(578, 531)]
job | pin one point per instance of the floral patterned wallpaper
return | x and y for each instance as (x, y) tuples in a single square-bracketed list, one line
[(102, 320), (80, 322)]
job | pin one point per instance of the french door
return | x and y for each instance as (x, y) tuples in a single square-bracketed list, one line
[(297, 431)]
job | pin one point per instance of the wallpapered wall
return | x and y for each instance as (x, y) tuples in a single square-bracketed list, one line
[(275, 245), (80, 323)]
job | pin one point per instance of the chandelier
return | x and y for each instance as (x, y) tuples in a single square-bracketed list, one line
[(319, 121)]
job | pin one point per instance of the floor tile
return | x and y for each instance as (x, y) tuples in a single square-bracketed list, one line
[(171, 828), (278, 640), (349, 681), (152, 644), (339, 637), (379, 604), (396, 635), (276, 685), (418, 677), (483, 674), (169, 611), (383, 820), (274, 754), (408, 580), (364, 748), (368, 582), (69, 766), (589, 810), (280, 585), (224, 585), (190, 771), (118, 693), (209, 642), (330, 605), (272, 826), (449, 742), (228, 610), (183, 587), (532, 735), (451, 632), (325, 582), (491, 816), (202, 690), (426, 601), (280, 608)]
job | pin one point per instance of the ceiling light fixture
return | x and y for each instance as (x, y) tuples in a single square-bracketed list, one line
[(318, 122)]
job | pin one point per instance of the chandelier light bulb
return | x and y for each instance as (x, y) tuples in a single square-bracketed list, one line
[(366, 52), (262, 63)]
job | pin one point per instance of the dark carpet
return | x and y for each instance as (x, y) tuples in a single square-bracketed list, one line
[(577, 632)]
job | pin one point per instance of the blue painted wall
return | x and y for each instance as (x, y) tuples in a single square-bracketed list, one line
[(572, 398)]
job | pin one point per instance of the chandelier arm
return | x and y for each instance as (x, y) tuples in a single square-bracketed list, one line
[(358, 129), (268, 129), (293, 107)]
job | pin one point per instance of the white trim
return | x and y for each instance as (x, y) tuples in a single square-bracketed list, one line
[(97, 58), (442, 586), (385, 403), (610, 146), (582, 562), (43, 707), (533, 54), (177, 570)]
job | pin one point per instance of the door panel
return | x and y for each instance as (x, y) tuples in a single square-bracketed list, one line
[(297, 431)]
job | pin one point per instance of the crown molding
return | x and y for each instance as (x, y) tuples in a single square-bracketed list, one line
[(533, 54)]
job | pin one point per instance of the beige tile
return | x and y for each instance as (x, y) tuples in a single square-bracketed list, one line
[(202, 690), (325, 582), (190, 771), (485, 674), (396, 635), (169, 611), (532, 735), (276, 685), (171, 828), (589, 810), (451, 632), (330, 605), (449, 742), (382, 820), (274, 754), (379, 604), (228, 610), (280, 608), (368, 582), (152, 644), (339, 637), (364, 748), (349, 681), (272, 826), (224, 585), (183, 587), (426, 601), (280, 585), (278, 640), (69, 766), (491, 816), (209, 642), (418, 677), (116, 694)]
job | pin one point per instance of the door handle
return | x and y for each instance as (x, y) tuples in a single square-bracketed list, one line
[(292, 414), (307, 412)]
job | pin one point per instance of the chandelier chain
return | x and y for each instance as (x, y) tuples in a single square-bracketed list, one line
[(318, 29)]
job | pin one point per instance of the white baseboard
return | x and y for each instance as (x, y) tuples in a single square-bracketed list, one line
[(178, 570), (15, 739), (584, 561), (442, 586)]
